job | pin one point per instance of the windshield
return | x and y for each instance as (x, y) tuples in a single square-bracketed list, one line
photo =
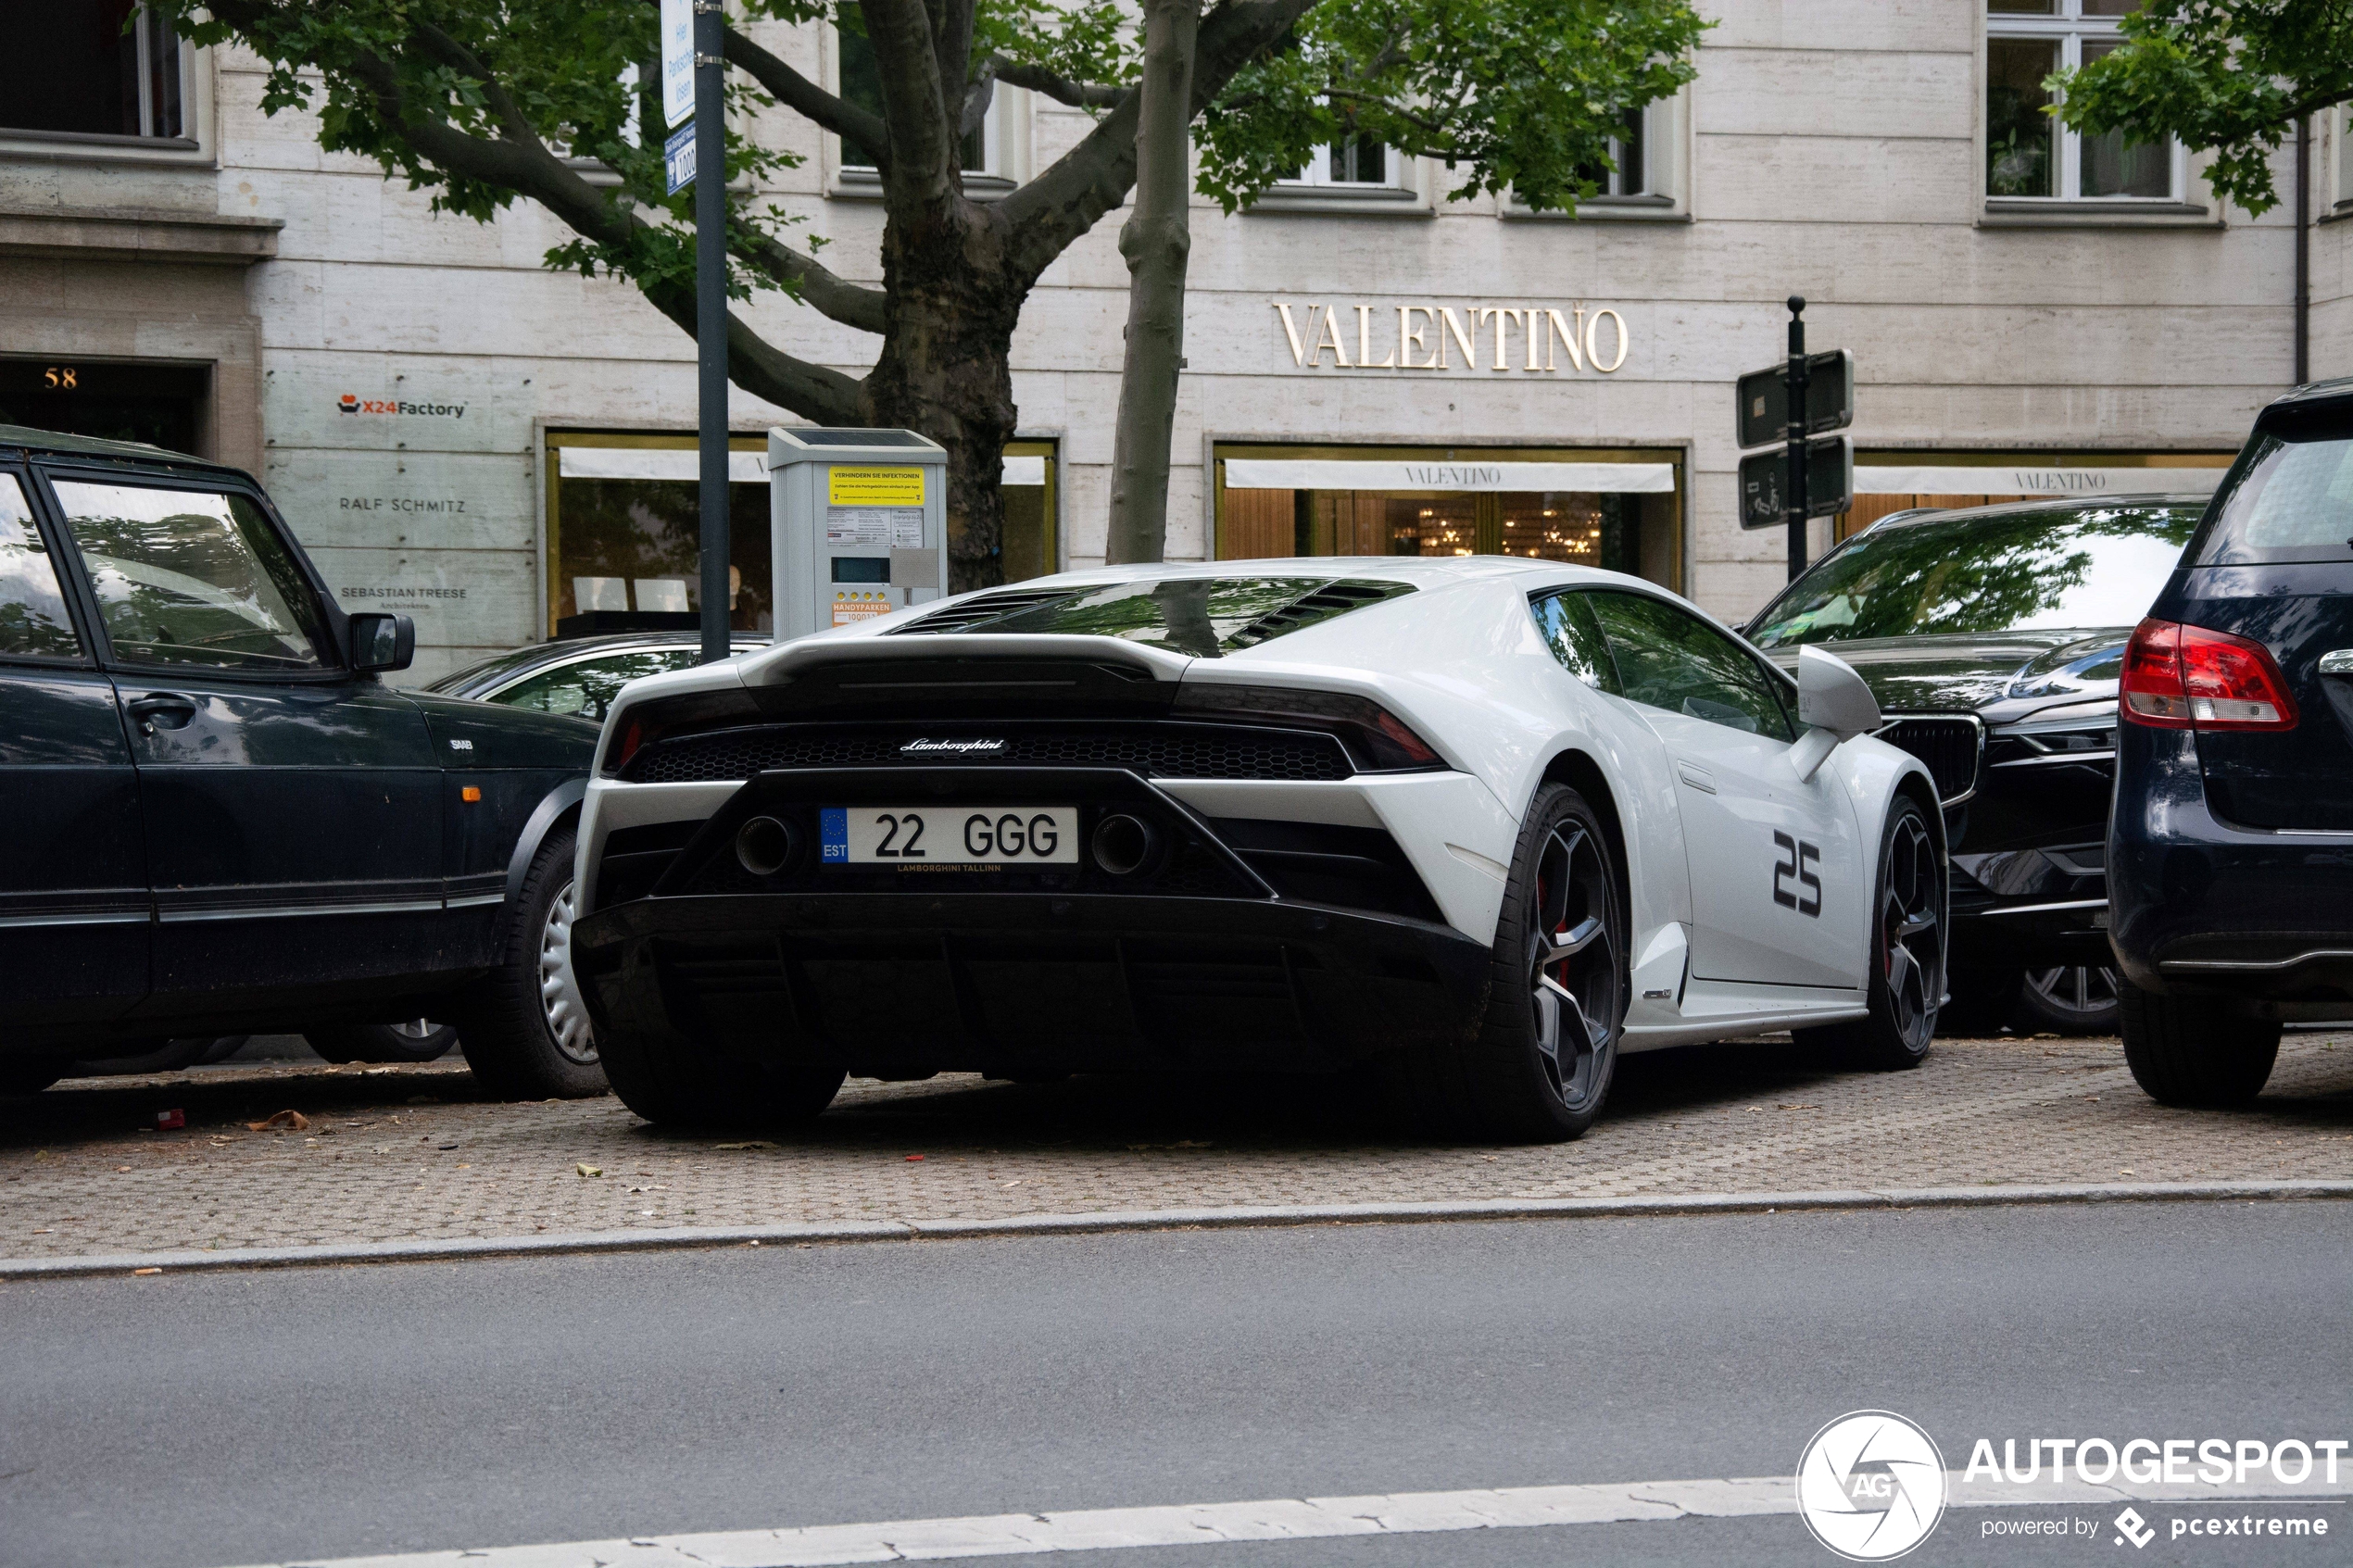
[(1201, 616), (1964, 574)]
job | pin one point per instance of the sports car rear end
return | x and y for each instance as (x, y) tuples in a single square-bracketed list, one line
[(1030, 832)]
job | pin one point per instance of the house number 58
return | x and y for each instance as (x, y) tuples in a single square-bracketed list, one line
[(61, 378)]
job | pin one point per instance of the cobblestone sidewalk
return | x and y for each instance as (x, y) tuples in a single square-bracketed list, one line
[(411, 1153)]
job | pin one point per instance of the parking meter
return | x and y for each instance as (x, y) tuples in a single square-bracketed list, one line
[(858, 522)]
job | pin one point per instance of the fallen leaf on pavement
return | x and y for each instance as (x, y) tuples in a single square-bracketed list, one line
[(590, 1170), (748, 1143), (294, 1121)]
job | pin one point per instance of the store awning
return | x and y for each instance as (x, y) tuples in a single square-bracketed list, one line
[(1304, 474), (1956, 480), (684, 462)]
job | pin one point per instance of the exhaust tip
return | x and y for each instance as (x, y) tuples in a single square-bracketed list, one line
[(764, 845), (1122, 844)]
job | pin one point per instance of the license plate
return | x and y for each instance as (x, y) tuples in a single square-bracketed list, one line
[(949, 836)]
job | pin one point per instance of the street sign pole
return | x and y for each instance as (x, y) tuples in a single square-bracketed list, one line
[(1796, 489), (710, 320)]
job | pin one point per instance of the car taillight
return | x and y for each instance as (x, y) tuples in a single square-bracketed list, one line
[(1377, 736), (2179, 677), (625, 744)]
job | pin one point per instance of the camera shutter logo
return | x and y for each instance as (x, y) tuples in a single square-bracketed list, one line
[(1870, 1486)]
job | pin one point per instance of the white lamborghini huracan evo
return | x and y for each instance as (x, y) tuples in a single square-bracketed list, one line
[(1478, 824)]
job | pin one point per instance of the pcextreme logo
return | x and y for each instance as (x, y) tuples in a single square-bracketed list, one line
[(1870, 1486), (350, 403)]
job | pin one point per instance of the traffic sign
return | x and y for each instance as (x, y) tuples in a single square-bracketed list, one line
[(1829, 399), (677, 62), (678, 157), (1765, 489)]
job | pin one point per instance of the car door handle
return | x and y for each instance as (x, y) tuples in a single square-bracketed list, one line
[(161, 711), (2339, 663), (1696, 776)]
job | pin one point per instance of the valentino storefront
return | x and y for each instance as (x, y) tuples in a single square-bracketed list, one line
[(1374, 367)]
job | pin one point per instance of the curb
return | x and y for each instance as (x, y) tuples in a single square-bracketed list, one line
[(680, 1238)]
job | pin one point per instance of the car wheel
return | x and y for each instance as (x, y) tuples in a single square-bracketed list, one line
[(1906, 959), (523, 1029), (677, 1083), (2068, 999), (1538, 1067), (417, 1039), (2195, 1051), (221, 1049)]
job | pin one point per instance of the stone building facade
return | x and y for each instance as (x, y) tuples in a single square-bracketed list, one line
[(457, 433)]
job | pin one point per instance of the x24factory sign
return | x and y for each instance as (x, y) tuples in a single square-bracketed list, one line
[(351, 403)]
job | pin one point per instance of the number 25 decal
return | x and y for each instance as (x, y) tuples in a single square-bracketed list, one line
[(1798, 862)]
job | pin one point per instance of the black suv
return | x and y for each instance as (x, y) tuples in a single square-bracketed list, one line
[(2231, 847), (1992, 638), (221, 821)]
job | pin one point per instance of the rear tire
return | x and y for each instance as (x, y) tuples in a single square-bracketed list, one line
[(418, 1040), (1906, 954), (2195, 1051), (673, 1088), (1539, 1066), (523, 1028)]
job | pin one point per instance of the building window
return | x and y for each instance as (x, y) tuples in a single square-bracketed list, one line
[(1629, 150), (1619, 511), (2028, 154), (860, 78), (1360, 160), (107, 68)]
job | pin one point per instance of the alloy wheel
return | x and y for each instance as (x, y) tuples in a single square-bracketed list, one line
[(1910, 929), (2077, 996), (560, 1001), (1575, 985)]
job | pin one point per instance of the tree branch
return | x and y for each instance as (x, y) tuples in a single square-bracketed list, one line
[(853, 305), (1048, 214), (922, 170), (530, 169), (853, 125), (1061, 89)]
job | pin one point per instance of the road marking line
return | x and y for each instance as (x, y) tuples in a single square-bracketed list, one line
[(1277, 1519)]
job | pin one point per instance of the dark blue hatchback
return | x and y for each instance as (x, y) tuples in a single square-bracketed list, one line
[(2231, 846)]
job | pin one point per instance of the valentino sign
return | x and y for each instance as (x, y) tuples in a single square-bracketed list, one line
[(1525, 337)]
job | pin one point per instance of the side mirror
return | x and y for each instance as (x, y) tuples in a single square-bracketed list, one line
[(1833, 703), (1831, 697), (382, 642)]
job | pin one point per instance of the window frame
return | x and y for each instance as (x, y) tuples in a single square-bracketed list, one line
[(194, 146), (1666, 193), (63, 565), (334, 666), (2069, 29), (1003, 140)]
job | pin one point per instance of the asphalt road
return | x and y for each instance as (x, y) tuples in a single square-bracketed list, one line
[(207, 1420)]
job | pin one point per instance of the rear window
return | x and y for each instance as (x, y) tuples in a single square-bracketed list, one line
[(1203, 616), (2289, 497), (1971, 573)]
